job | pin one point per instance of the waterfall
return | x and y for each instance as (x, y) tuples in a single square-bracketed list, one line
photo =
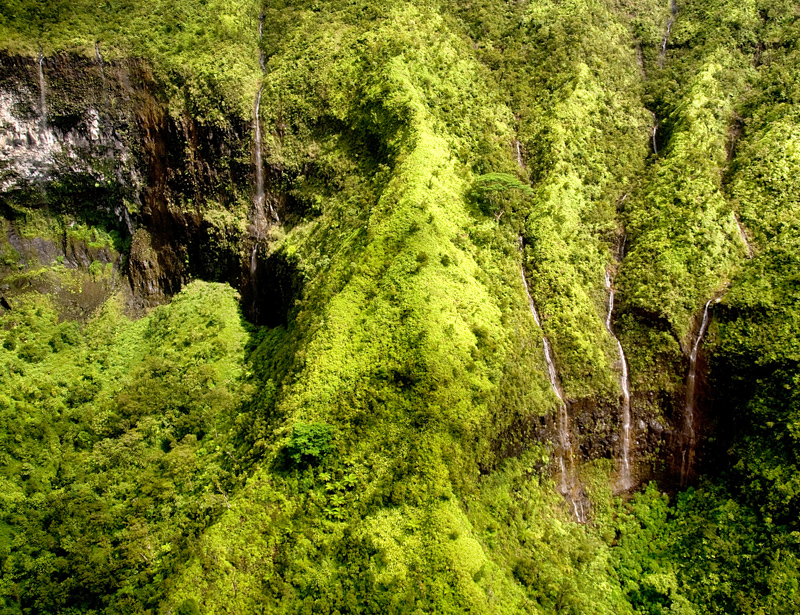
[(253, 259), (259, 219), (625, 439), (519, 153), (653, 133), (687, 455), (655, 130), (261, 59), (662, 54), (569, 486), (42, 94)]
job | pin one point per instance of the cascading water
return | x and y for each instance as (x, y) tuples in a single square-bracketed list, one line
[(259, 199), (687, 455), (261, 59), (662, 54), (568, 486), (653, 133), (259, 218), (42, 94), (625, 435), (519, 153)]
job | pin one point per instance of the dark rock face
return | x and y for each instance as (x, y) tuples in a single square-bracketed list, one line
[(89, 140), (79, 275), (274, 284), (64, 118)]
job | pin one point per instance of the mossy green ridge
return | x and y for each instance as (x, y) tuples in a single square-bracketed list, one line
[(386, 444), (400, 338)]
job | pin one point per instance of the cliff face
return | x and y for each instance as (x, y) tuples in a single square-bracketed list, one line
[(90, 142), (500, 265)]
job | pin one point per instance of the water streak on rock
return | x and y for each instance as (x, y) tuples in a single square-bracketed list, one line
[(42, 94), (687, 455), (625, 435), (653, 133), (259, 219), (662, 54), (568, 486), (261, 59)]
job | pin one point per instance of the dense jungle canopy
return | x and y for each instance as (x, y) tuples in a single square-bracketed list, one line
[(349, 307)]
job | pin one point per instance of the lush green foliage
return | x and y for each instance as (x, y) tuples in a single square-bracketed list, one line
[(493, 193), (387, 450), (203, 53), (114, 446), (310, 443)]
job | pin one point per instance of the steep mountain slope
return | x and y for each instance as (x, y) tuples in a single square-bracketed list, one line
[(428, 211)]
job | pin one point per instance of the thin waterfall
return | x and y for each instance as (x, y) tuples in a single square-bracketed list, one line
[(42, 93), (687, 455), (261, 59), (566, 462), (653, 133), (519, 153), (673, 12), (625, 435), (259, 199), (259, 219)]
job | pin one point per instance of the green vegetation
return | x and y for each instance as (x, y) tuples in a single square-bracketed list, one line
[(389, 447), (114, 446), (203, 53), (310, 443)]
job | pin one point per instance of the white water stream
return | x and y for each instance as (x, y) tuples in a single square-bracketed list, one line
[(259, 199), (625, 435), (259, 219), (662, 54), (42, 94), (653, 133), (687, 455), (253, 259), (568, 484), (261, 59)]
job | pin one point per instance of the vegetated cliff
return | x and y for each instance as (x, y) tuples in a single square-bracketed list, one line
[(416, 425)]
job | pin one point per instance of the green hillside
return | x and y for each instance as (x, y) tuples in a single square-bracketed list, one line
[(339, 398)]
